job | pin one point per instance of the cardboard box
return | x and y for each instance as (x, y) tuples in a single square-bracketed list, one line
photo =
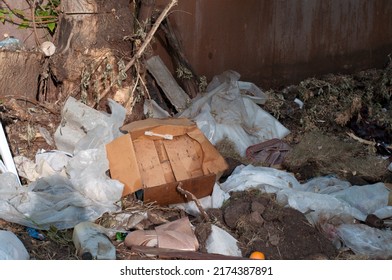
[(156, 165)]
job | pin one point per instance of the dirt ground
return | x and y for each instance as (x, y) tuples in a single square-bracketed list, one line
[(333, 106)]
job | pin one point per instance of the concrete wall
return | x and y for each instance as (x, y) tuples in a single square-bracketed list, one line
[(272, 43)]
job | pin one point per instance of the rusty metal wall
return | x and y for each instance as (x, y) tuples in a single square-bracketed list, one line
[(273, 43)]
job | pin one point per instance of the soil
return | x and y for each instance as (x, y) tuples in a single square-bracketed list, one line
[(261, 224), (333, 106)]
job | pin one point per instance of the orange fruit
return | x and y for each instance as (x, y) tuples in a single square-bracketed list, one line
[(256, 255)]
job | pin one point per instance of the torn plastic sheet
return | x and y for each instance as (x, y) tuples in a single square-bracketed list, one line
[(367, 241), (83, 127), (326, 202), (221, 242), (225, 112), (46, 163), (62, 201)]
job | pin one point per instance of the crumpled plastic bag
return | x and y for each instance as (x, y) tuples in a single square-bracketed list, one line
[(366, 241), (70, 185), (225, 112), (46, 163), (84, 128), (61, 201)]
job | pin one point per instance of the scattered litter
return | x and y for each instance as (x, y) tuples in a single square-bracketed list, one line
[(176, 235), (153, 110), (46, 163), (366, 241), (84, 128), (11, 248), (7, 162), (221, 242), (62, 201), (215, 200), (164, 136), (299, 103), (48, 48), (47, 136), (11, 44), (269, 153), (35, 234), (155, 165), (327, 206), (223, 112), (92, 243), (256, 255)]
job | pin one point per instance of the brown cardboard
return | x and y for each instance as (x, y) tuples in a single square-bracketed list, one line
[(157, 165)]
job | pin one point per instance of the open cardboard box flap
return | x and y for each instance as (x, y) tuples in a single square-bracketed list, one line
[(157, 165)]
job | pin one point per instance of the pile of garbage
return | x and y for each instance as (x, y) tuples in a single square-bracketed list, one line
[(97, 157)]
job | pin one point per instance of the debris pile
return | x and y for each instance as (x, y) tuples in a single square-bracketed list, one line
[(215, 170)]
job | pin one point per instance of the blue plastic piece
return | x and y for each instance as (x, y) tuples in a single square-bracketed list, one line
[(35, 234), (11, 44)]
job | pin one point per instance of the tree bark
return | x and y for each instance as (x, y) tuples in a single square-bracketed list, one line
[(19, 73), (92, 49)]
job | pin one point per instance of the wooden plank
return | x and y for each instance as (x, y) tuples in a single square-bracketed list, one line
[(168, 84), (177, 254)]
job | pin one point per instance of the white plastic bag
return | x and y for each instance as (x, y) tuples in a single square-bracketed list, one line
[(61, 201), (268, 179), (46, 163), (367, 198), (325, 185), (224, 112), (367, 241), (83, 127), (11, 248)]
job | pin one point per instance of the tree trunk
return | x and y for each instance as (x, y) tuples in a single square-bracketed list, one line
[(19, 73), (93, 46)]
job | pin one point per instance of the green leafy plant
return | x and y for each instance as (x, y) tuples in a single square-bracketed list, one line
[(44, 16)]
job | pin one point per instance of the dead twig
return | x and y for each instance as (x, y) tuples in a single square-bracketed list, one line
[(38, 104), (193, 198), (146, 42), (363, 141)]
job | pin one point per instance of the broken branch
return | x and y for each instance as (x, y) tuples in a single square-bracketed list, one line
[(146, 41), (363, 141), (193, 198)]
